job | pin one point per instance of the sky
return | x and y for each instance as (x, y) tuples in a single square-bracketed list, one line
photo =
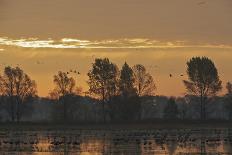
[(44, 37)]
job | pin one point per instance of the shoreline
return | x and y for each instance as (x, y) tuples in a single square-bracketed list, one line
[(117, 126)]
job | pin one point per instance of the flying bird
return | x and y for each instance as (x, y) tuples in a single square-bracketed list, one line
[(170, 75), (39, 62), (201, 3)]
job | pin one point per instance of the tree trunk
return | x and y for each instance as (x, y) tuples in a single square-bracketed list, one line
[(18, 112), (202, 113), (12, 110), (103, 105), (64, 108)]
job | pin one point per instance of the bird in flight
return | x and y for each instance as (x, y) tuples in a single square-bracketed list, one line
[(39, 62), (201, 3), (170, 75)]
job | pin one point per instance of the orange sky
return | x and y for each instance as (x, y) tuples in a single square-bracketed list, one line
[(47, 36)]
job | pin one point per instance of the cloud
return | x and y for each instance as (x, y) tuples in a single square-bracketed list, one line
[(134, 43)]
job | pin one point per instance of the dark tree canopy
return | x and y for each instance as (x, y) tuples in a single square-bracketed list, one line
[(125, 108), (19, 87), (203, 80), (103, 78), (64, 85), (63, 93), (103, 81), (126, 83), (229, 88), (203, 77), (171, 109), (144, 82), (228, 100)]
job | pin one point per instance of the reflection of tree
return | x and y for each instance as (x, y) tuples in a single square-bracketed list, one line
[(227, 148), (203, 148), (171, 147)]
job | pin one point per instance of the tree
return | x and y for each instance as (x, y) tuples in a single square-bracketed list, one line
[(103, 81), (228, 100), (19, 88), (229, 88), (203, 80), (127, 103), (125, 108), (126, 82), (171, 109), (64, 89), (63, 84), (144, 82)]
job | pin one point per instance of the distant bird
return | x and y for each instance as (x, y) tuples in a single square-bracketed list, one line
[(39, 62), (74, 71), (78, 73), (170, 75), (71, 71), (181, 75), (67, 72), (201, 3)]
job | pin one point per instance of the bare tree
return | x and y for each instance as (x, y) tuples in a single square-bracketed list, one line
[(18, 87), (103, 81), (229, 88), (64, 89), (63, 84), (144, 82), (203, 80)]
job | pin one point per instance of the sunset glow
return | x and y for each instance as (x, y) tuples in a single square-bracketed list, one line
[(44, 40)]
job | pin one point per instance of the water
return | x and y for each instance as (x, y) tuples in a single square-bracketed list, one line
[(123, 142)]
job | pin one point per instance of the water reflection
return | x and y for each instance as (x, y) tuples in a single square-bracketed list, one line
[(98, 142)]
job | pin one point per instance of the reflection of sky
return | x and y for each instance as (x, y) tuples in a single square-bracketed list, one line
[(121, 142)]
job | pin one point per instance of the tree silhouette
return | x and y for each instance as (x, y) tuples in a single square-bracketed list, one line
[(128, 101), (19, 88), (63, 85), (64, 88), (126, 82), (144, 82), (228, 100), (229, 88), (103, 81), (171, 109), (125, 108), (203, 80)]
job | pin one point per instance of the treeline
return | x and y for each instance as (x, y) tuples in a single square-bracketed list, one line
[(115, 95)]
